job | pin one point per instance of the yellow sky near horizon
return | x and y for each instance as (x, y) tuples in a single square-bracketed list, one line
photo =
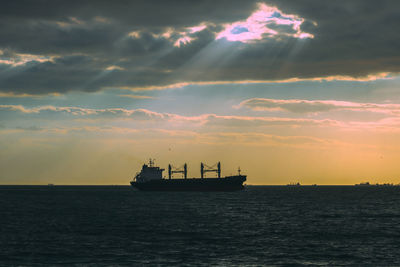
[(113, 157)]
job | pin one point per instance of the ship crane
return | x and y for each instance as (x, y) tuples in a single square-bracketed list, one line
[(205, 168), (172, 170)]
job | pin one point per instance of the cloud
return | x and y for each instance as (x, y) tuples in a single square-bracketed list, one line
[(138, 96), (177, 136), (29, 128), (316, 106), (262, 24), (46, 49), (243, 121), (113, 67), (18, 59), (368, 78), (171, 120), (138, 114), (143, 118), (23, 95)]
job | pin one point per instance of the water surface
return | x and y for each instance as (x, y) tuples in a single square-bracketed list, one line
[(273, 226)]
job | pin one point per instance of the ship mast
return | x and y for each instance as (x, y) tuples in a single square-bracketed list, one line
[(151, 162)]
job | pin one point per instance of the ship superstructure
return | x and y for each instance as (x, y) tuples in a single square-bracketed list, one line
[(149, 172), (150, 179)]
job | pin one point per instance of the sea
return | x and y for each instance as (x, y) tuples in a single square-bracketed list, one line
[(260, 226)]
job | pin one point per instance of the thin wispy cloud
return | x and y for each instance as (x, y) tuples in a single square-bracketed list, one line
[(317, 106)]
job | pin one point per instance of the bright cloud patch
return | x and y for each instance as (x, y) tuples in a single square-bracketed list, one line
[(20, 59), (183, 41), (114, 67), (186, 36), (178, 36), (198, 28), (265, 22)]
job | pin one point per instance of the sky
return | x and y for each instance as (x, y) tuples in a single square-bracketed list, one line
[(291, 91)]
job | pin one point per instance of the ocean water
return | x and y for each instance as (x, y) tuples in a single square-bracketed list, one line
[(261, 226)]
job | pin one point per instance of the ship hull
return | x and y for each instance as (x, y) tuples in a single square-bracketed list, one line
[(230, 183)]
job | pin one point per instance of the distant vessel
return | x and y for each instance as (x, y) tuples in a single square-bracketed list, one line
[(368, 184), (150, 179), (363, 184), (294, 184)]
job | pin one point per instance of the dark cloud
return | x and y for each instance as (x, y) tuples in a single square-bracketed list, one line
[(138, 13), (58, 46)]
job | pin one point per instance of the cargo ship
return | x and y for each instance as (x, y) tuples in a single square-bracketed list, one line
[(150, 178)]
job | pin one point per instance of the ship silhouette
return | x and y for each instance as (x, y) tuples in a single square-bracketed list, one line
[(150, 179)]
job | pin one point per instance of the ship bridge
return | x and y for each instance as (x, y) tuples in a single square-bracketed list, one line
[(149, 172)]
